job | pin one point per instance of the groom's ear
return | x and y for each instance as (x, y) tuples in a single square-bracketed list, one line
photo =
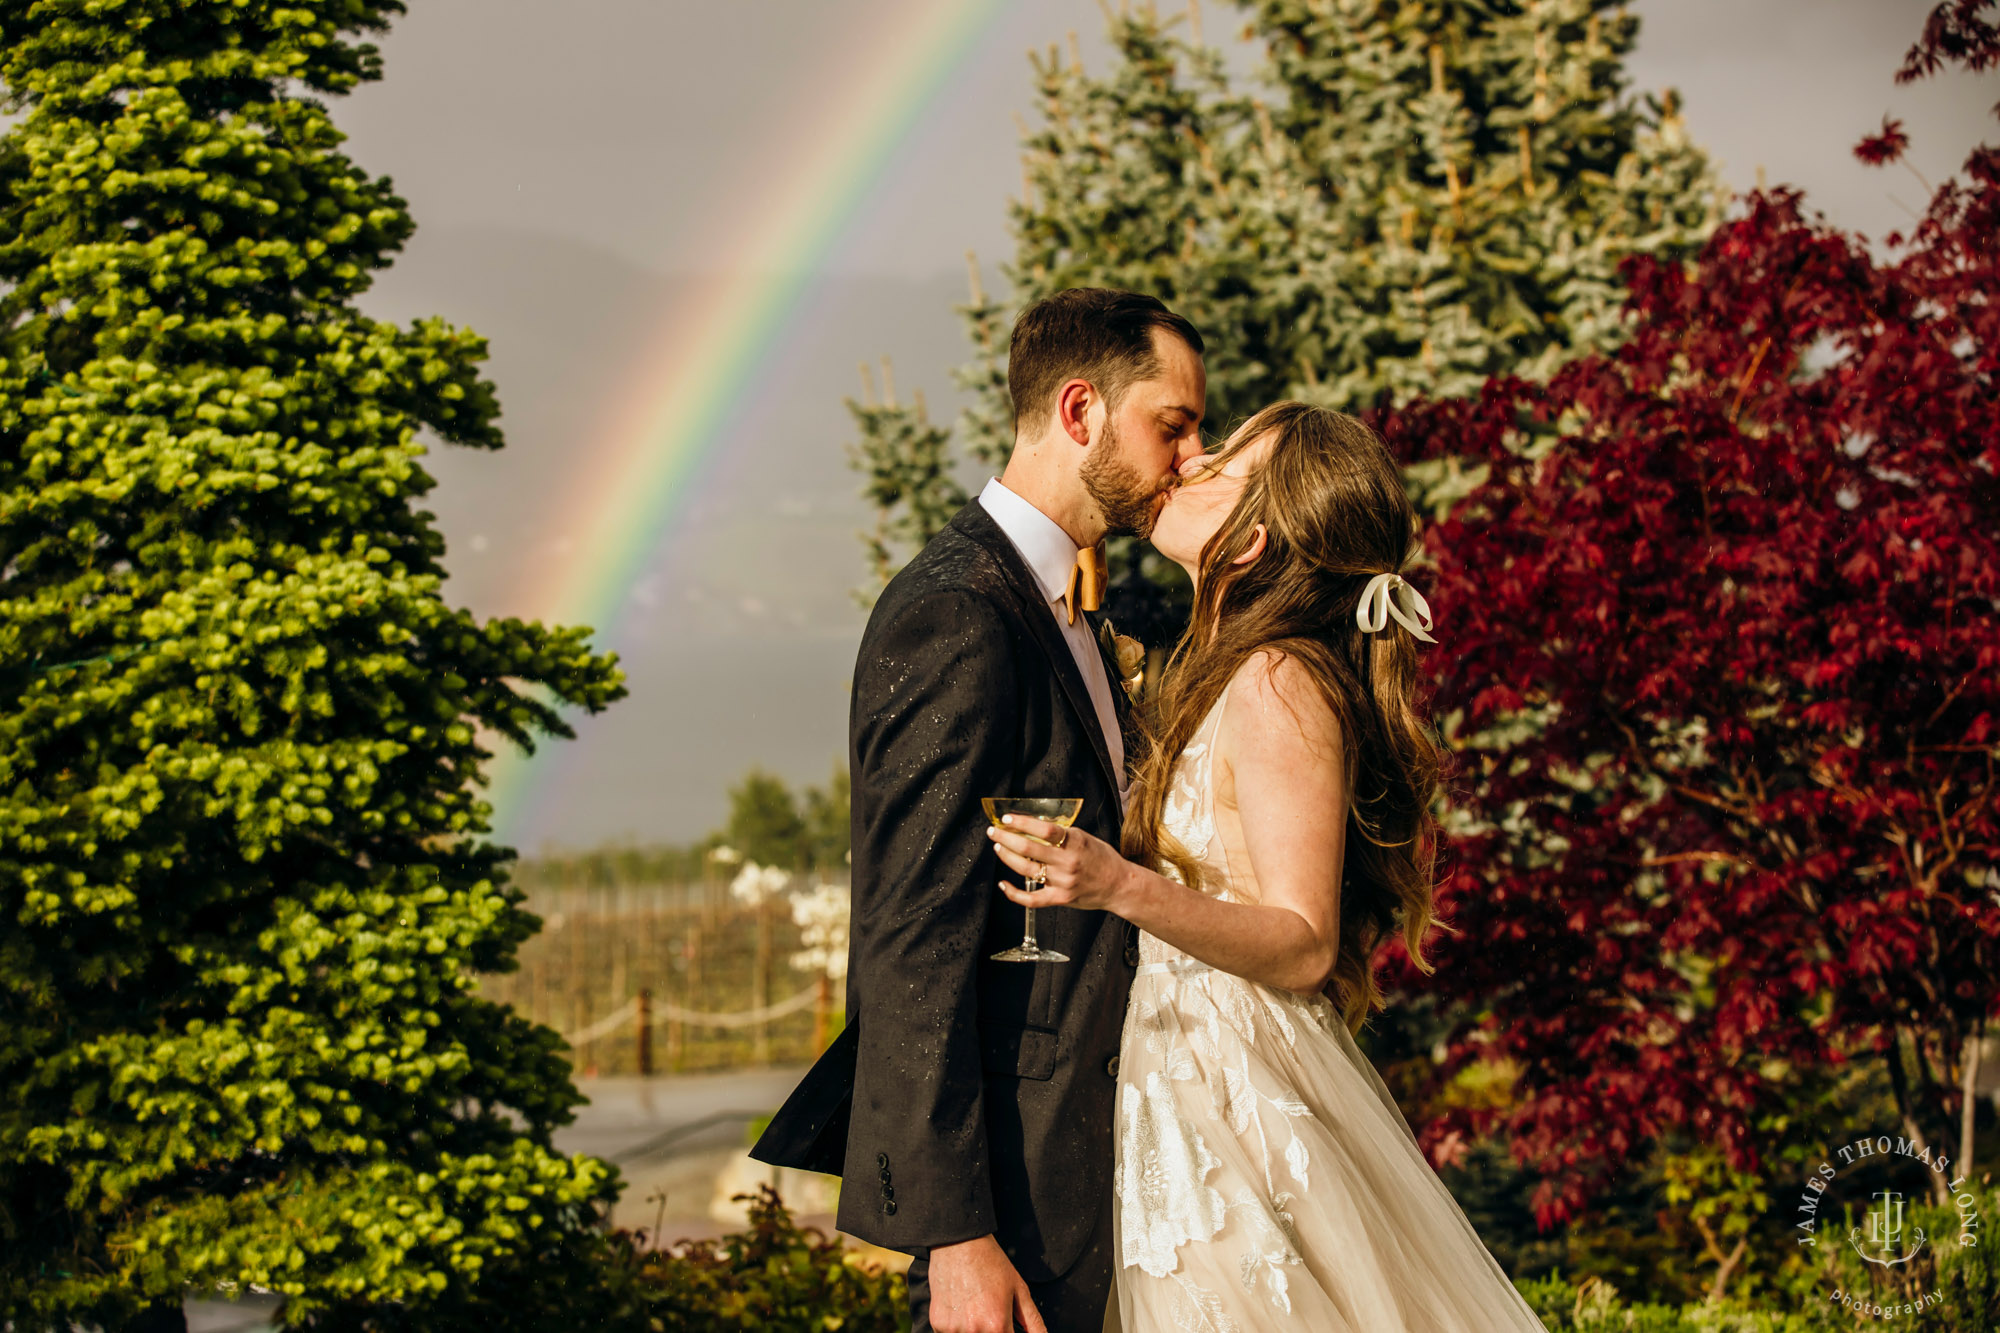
[(1256, 547), (1073, 403)]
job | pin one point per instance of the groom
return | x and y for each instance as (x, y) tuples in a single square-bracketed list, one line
[(968, 1103)]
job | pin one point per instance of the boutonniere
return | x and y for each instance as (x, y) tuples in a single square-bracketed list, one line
[(1128, 654)]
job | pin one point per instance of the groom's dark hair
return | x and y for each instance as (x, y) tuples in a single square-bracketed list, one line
[(1099, 334)]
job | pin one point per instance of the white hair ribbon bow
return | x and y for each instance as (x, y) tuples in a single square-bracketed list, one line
[(1388, 595)]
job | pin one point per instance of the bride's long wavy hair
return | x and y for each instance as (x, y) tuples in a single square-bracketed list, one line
[(1335, 515)]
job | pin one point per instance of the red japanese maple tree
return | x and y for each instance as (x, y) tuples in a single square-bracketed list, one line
[(1721, 659)]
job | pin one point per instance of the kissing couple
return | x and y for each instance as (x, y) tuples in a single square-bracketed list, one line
[(1172, 1128)]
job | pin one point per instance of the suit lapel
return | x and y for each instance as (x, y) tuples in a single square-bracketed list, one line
[(978, 525), (1128, 717)]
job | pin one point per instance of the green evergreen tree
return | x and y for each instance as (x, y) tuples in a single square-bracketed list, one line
[(1410, 197), (827, 819), (246, 901), (765, 825), (906, 462)]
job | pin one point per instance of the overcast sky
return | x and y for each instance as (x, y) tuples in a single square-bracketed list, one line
[(575, 167)]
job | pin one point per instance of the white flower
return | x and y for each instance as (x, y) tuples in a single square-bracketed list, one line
[(821, 914), (756, 885)]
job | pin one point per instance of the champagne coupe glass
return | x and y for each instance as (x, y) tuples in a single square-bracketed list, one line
[(1061, 810)]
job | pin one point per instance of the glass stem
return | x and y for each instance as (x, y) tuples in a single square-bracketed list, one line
[(1028, 934)]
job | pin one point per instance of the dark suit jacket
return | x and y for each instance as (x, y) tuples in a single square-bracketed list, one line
[(967, 1096)]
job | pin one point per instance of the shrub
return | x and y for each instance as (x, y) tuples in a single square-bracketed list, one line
[(1966, 1280), (775, 1277)]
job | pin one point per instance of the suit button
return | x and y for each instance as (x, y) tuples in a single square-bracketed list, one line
[(882, 1160), (888, 1190), (889, 1207), (1111, 1066)]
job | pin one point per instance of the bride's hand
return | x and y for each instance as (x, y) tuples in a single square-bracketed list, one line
[(1078, 870)]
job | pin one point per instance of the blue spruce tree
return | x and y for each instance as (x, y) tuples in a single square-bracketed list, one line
[(1407, 199)]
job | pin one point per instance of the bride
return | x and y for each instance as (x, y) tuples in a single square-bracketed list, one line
[(1280, 828)]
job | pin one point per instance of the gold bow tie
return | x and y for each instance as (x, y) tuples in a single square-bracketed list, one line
[(1086, 581)]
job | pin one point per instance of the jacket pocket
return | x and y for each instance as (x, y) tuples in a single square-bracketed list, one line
[(1017, 1052)]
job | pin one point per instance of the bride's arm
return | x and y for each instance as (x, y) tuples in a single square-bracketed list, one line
[(1282, 745)]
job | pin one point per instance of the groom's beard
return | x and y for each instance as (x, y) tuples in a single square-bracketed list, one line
[(1129, 505)]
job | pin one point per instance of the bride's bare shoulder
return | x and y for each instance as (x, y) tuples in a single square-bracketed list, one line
[(1276, 709)]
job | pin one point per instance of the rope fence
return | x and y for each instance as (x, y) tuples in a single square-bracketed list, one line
[(683, 977), (673, 1013)]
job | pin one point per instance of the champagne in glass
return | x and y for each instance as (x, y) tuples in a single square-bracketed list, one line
[(1061, 810)]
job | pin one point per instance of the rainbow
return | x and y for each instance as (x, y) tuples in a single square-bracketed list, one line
[(637, 482)]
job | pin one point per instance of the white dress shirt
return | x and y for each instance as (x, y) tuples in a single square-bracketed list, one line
[(1050, 555)]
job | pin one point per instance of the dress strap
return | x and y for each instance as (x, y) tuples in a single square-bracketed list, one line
[(1215, 712)]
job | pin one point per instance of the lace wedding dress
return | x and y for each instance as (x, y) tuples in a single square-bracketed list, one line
[(1265, 1178)]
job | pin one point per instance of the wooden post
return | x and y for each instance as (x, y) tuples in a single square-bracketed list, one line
[(621, 949), (576, 979), (677, 1030), (646, 967), (823, 1014), (761, 991), (643, 1018)]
